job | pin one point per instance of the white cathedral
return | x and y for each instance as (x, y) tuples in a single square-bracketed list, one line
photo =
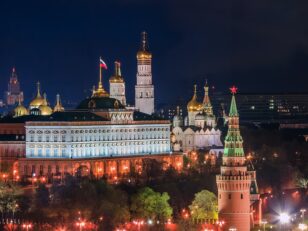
[(198, 130)]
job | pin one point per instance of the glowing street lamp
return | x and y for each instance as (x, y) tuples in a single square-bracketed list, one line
[(302, 226), (27, 226), (284, 218), (80, 224), (264, 222), (303, 213)]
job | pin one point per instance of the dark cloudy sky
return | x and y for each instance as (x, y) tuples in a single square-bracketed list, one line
[(258, 45)]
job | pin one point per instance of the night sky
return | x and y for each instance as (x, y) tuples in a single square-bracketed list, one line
[(261, 46)]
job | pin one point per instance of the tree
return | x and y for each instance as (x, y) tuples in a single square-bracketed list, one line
[(302, 182), (149, 204), (204, 206)]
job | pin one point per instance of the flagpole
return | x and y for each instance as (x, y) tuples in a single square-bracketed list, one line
[(100, 75)]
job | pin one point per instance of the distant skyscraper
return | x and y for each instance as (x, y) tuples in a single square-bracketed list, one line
[(144, 89), (13, 95)]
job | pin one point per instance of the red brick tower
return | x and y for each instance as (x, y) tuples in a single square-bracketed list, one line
[(234, 181)]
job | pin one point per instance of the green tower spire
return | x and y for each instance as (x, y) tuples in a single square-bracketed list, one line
[(233, 140)]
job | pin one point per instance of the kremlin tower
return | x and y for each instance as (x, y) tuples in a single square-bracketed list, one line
[(117, 85), (144, 89), (234, 181)]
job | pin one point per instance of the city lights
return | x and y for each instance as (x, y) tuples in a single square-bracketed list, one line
[(284, 218)]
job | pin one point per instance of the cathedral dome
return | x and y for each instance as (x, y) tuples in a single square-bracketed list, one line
[(193, 105), (20, 110), (94, 103), (38, 100), (117, 77), (44, 108)]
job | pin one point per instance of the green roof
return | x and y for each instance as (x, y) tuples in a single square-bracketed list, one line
[(233, 107), (94, 103)]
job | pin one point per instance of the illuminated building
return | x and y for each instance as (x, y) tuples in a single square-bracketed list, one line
[(144, 89), (237, 188), (198, 130), (13, 95), (100, 137)]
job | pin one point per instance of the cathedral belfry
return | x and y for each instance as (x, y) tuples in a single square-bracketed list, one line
[(144, 89)]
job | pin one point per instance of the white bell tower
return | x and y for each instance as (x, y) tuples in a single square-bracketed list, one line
[(144, 89)]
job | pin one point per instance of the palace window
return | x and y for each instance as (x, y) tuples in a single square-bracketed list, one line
[(47, 138), (229, 196), (41, 170), (242, 196)]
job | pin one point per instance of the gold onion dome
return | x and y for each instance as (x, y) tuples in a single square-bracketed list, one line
[(38, 100), (20, 110), (44, 108), (193, 105), (144, 52), (58, 106), (117, 77)]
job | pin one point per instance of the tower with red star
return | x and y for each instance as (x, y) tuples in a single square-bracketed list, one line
[(234, 181)]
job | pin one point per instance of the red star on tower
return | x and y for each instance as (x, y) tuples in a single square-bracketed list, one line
[(233, 90)]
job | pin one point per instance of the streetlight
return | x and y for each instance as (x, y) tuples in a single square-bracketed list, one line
[(302, 226), (284, 218), (263, 222), (303, 214), (27, 226), (232, 229), (81, 224)]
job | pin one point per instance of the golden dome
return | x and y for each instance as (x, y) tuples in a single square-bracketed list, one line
[(44, 108), (117, 77), (144, 55), (144, 52), (193, 105), (38, 100), (20, 110)]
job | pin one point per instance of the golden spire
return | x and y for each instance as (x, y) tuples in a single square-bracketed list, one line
[(38, 100), (58, 106), (117, 77), (144, 52), (38, 95), (100, 92)]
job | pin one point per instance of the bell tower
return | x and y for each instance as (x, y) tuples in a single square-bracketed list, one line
[(234, 181), (144, 89)]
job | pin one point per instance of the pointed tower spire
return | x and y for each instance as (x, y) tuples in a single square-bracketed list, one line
[(144, 42), (233, 140), (233, 108), (58, 107), (38, 95)]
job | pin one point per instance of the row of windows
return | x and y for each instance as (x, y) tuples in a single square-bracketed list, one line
[(82, 138), (230, 196)]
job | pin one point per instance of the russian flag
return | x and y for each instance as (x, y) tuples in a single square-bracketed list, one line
[(102, 64)]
